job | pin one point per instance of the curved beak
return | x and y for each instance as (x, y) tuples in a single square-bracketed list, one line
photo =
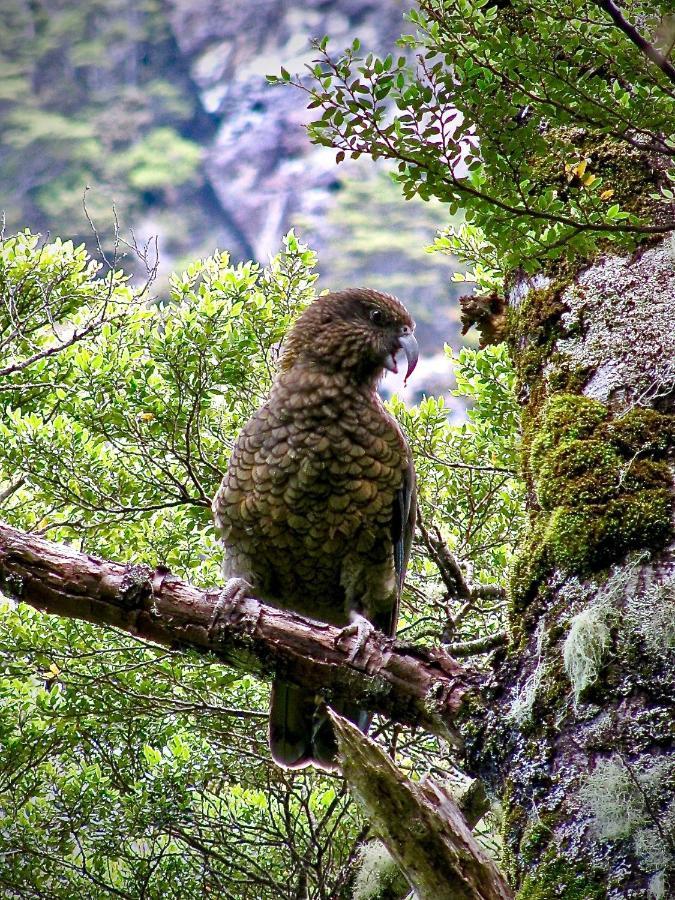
[(408, 343), (409, 346)]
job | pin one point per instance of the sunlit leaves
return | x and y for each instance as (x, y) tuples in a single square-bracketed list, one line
[(132, 431), (134, 770), (468, 486)]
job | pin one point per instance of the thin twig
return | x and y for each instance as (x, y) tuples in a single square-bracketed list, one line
[(634, 35), (478, 645), (449, 568), (12, 488), (472, 468)]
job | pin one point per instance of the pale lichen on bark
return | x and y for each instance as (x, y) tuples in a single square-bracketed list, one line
[(625, 306), (595, 352)]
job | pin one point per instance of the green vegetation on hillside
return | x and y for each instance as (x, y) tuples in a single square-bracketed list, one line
[(379, 240), (92, 94)]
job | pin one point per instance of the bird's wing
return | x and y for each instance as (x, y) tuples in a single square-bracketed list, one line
[(402, 528)]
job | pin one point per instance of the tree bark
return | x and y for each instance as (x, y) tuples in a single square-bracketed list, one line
[(409, 684), (421, 825), (578, 741)]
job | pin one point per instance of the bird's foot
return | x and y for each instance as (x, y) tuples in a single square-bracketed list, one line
[(235, 590), (359, 626)]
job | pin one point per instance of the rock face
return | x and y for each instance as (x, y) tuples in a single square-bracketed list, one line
[(267, 177), (165, 113), (260, 164)]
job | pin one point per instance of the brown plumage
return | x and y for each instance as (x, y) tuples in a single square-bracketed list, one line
[(317, 508)]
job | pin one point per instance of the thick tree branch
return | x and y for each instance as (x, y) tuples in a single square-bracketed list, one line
[(413, 685), (420, 824)]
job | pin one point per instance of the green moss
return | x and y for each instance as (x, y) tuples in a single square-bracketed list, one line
[(641, 474), (536, 838), (528, 569), (566, 417), (642, 430), (532, 330), (592, 536), (640, 519), (588, 470), (470, 715), (565, 377), (627, 171), (599, 487), (555, 879), (513, 823), (602, 485)]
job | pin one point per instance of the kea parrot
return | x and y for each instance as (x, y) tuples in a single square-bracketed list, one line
[(317, 508)]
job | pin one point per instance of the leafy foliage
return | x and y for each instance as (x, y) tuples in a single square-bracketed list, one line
[(544, 122), (132, 430), (468, 491), (129, 770)]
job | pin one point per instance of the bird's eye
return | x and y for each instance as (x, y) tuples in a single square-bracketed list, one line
[(377, 316)]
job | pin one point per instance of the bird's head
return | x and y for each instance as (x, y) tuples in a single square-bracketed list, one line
[(357, 331)]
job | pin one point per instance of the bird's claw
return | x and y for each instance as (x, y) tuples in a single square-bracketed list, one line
[(235, 590), (359, 626)]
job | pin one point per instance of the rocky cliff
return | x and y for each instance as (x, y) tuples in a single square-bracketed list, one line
[(165, 112), (260, 165)]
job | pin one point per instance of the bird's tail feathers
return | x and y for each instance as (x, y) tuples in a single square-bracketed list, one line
[(300, 730), (291, 721)]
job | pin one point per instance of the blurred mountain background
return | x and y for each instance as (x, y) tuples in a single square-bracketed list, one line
[(161, 108)]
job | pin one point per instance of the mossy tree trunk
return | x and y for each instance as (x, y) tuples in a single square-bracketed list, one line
[(579, 743)]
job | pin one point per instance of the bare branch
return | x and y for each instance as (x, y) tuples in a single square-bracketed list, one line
[(54, 349), (634, 35), (439, 855), (409, 684), (479, 645), (449, 568)]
